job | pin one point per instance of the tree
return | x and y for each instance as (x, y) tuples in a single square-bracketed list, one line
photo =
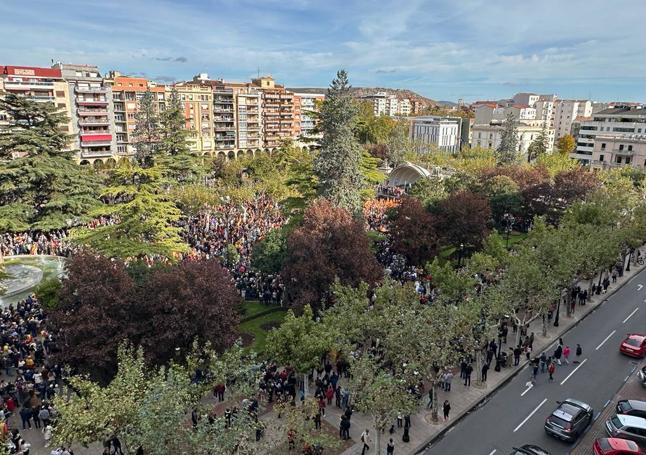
[(41, 185), (299, 342), (269, 254), (328, 245), (399, 143), (428, 191), (376, 392), (145, 217), (413, 233), (462, 218), (146, 132), (101, 305), (337, 165), (566, 145), (538, 147), (507, 151)]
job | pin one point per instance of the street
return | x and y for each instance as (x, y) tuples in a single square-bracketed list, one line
[(515, 414)]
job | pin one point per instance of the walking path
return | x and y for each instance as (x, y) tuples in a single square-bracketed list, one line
[(464, 399)]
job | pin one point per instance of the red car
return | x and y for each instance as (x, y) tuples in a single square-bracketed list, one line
[(615, 446), (634, 345)]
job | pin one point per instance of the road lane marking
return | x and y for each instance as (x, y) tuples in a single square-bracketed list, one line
[(530, 415), (573, 371), (605, 339), (630, 315), (529, 387), (492, 452), (639, 287)]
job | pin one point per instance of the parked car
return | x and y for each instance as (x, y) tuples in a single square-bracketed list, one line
[(529, 449), (632, 408), (627, 427), (615, 446), (569, 420), (642, 376), (634, 345)]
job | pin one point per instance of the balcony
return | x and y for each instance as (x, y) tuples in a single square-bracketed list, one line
[(88, 121), (81, 89), (84, 112), (95, 153), (42, 98), (91, 102), (26, 85), (96, 138)]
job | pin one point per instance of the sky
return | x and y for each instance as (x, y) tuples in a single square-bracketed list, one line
[(442, 49)]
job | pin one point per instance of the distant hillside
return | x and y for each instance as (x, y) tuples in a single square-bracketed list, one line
[(364, 91)]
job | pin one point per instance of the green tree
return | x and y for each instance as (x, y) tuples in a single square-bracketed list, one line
[(566, 145), (338, 162), (299, 342), (269, 254), (146, 132), (145, 217), (538, 147), (507, 151), (41, 185)]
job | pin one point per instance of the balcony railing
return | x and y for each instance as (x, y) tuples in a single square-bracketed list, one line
[(94, 121), (81, 89), (95, 153), (91, 102), (84, 112)]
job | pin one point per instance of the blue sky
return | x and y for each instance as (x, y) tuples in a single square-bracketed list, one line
[(444, 49)]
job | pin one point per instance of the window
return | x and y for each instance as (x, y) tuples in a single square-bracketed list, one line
[(618, 160), (603, 146), (630, 148), (628, 160), (621, 147)]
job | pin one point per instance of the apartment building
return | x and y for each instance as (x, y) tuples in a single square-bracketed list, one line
[(198, 102), (91, 111), (391, 105), (441, 133), (277, 111), (490, 135), (491, 112), (613, 151), (38, 84), (620, 121), (126, 95), (309, 105), (566, 111)]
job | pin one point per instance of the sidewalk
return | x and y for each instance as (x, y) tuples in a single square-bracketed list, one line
[(463, 399)]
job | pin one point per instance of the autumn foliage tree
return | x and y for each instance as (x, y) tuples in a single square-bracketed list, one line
[(164, 309), (413, 232), (328, 245), (463, 218)]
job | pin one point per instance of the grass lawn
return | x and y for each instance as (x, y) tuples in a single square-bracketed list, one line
[(260, 326), (250, 308)]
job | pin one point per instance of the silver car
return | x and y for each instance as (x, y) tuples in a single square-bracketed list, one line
[(627, 427)]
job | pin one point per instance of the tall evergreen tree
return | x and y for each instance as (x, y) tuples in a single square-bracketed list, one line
[(147, 131), (41, 185), (507, 151), (144, 213), (538, 147), (338, 163)]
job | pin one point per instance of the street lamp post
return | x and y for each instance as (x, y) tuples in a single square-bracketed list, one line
[(558, 311)]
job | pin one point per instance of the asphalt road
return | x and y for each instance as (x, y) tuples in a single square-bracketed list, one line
[(515, 414)]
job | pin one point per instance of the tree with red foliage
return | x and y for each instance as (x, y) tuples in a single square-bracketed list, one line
[(188, 300), (97, 304), (166, 308), (328, 245), (551, 199), (413, 232), (463, 218)]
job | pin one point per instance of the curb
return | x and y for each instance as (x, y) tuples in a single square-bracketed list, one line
[(429, 441)]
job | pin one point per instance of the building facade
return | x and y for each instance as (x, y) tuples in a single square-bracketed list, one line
[(619, 120), (613, 151), (443, 133), (91, 113), (309, 106), (566, 112), (490, 135)]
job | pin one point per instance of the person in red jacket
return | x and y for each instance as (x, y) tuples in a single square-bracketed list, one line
[(329, 394)]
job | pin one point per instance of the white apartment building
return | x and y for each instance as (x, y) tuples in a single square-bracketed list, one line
[(385, 104), (309, 106), (441, 132), (620, 121), (526, 98), (487, 113), (566, 111), (490, 135)]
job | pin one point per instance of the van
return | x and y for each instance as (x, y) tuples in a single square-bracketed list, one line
[(627, 427), (632, 408)]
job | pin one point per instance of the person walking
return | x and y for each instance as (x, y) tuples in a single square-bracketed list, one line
[(517, 352), (579, 350), (390, 447), (558, 353), (365, 439), (485, 369), (543, 362), (551, 369), (467, 375), (446, 409), (566, 355), (447, 381)]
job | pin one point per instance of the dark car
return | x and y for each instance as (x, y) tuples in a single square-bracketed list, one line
[(529, 449), (632, 408), (569, 420)]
